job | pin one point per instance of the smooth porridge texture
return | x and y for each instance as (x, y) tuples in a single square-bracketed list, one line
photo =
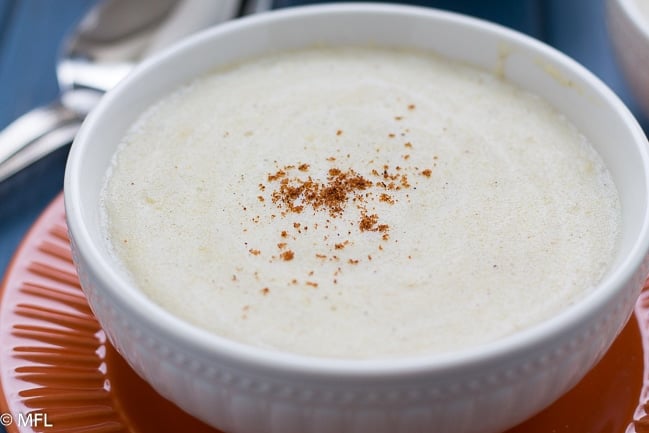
[(359, 203)]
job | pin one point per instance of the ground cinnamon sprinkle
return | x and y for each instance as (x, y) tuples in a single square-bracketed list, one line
[(386, 198), (287, 255), (368, 222), (278, 175), (296, 189), (295, 193)]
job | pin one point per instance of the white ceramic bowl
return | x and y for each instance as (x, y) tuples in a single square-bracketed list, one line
[(628, 27), (250, 390)]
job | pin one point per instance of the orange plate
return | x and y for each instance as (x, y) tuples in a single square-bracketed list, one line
[(59, 373)]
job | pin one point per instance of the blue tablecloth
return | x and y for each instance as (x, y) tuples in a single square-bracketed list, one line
[(31, 31)]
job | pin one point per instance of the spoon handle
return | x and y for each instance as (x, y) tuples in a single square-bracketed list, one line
[(32, 125), (35, 134)]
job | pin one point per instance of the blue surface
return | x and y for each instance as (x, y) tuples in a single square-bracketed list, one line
[(32, 30), (30, 34)]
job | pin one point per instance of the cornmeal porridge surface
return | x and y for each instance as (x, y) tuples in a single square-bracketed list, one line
[(359, 203)]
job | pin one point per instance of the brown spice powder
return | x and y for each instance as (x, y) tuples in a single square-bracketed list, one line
[(287, 255), (296, 193)]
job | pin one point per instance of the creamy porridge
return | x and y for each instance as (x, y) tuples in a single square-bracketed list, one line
[(359, 203)]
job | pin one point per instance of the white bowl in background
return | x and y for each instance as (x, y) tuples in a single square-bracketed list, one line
[(245, 389), (628, 27)]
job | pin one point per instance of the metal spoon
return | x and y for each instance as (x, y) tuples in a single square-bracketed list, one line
[(109, 41)]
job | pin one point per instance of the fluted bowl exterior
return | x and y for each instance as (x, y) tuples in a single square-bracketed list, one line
[(244, 389)]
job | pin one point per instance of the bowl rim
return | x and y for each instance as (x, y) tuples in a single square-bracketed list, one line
[(209, 345)]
